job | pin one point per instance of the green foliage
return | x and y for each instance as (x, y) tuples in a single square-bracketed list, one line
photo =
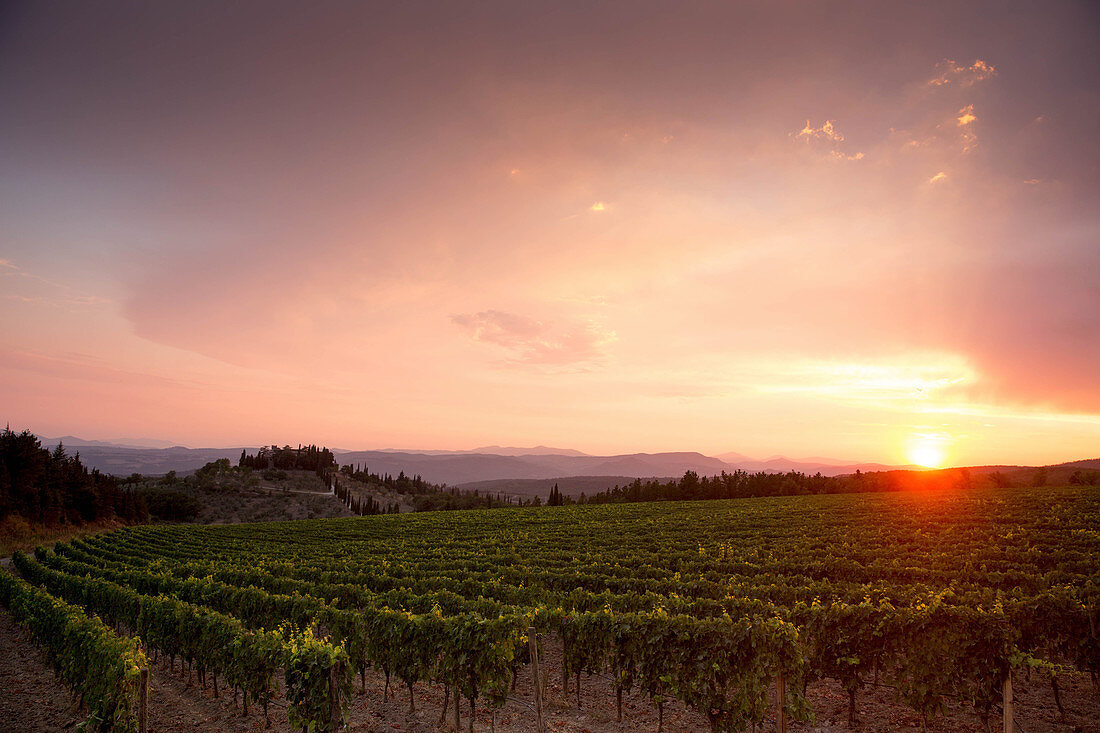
[(312, 666), (168, 505), (96, 663), (942, 595), (248, 658), (477, 654)]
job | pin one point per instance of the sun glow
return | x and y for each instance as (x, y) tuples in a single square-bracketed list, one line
[(928, 451)]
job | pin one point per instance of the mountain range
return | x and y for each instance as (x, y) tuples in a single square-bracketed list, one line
[(490, 463)]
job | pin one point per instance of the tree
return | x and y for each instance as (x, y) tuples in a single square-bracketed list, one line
[(555, 496)]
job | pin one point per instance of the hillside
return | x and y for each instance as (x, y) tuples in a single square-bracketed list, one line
[(224, 494)]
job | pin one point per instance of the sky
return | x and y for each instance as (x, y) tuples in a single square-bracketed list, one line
[(866, 231)]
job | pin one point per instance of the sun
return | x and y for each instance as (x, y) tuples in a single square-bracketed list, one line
[(929, 453)]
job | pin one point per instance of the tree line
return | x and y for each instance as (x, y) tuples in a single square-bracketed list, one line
[(54, 487), (742, 484), (302, 458)]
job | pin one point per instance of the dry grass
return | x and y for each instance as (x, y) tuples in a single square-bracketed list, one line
[(16, 533)]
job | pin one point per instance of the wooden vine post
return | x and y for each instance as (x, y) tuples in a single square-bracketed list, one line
[(564, 669), (532, 640), (334, 697), (781, 701), (1009, 721), (143, 701)]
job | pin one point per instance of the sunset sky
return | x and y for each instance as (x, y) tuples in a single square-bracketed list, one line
[(859, 230)]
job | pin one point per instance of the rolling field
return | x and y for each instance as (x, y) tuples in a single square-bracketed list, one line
[(701, 606)]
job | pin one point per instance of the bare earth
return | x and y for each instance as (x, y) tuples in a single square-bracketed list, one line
[(32, 701)]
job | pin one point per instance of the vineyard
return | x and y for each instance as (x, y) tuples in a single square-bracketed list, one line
[(730, 608)]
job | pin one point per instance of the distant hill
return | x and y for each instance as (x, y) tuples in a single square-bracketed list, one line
[(732, 457), (494, 450), (123, 461), (1088, 463), (469, 467), (71, 441), (1055, 475), (538, 450), (488, 463)]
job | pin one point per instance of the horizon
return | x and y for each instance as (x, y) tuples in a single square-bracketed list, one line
[(136, 443), (800, 229)]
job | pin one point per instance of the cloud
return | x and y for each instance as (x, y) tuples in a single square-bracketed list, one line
[(966, 115), (827, 131), (59, 302), (826, 138), (950, 72), (42, 291), (531, 341), (920, 377), (949, 131), (965, 119), (88, 368), (941, 176), (598, 206), (940, 117)]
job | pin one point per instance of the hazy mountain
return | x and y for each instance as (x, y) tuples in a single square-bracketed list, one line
[(575, 471), (815, 459), (782, 464), (469, 467), (122, 460), (538, 450), (71, 441), (493, 450), (732, 457)]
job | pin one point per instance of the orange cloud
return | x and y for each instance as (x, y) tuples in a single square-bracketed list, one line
[(941, 176), (949, 72), (949, 129), (828, 137), (827, 131)]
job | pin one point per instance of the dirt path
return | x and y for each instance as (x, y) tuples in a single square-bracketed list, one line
[(176, 707), (277, 490), (30, 698)]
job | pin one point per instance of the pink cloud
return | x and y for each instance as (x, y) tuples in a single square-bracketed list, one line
[(529, 341)]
